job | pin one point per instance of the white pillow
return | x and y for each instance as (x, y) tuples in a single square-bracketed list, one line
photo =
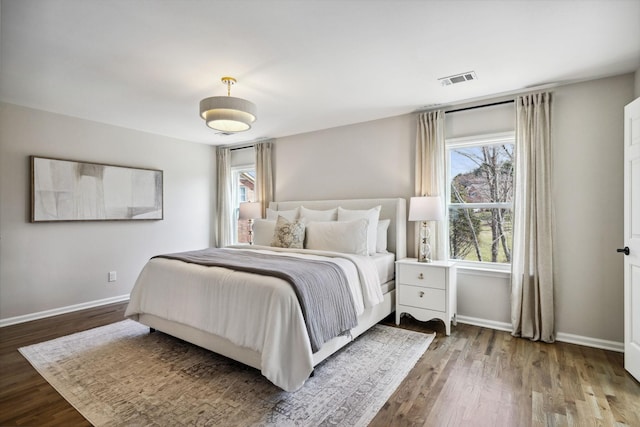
[(263, 231), (315, 215), (370, 214), (381, 239), (338, 236), (291, 215)]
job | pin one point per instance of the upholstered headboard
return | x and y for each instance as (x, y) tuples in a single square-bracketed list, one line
[(393, 209)]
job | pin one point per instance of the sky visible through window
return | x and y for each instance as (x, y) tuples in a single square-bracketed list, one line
[(462, 164)]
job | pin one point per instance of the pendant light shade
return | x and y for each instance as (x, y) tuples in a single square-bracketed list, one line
[(227, 113)]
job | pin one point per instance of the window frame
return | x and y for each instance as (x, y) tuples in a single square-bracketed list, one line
[(498, 138)]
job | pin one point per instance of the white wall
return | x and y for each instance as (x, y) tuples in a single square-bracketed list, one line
[(588, 140), (371, 159), (46, 266), (478, 121), (375, 159)]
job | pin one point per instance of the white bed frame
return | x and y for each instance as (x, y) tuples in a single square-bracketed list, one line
[(393, 209)]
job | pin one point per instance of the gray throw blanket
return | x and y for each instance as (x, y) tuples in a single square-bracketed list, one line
[(321, 286)]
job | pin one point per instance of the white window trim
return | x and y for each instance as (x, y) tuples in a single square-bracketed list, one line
[(484, 139), (482, 267), (490, 269)]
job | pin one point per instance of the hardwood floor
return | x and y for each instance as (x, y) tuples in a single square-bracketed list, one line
[(26, 399), (483, 377), (475, 377)]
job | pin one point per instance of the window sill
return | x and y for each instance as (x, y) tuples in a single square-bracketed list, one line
[(489, 271)]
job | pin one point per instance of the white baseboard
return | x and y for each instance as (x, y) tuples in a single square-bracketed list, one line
[(590, 342), (62, 310), (560, 336), (484, 323)]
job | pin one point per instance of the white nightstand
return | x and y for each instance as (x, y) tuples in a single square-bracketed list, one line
[(426, 290)]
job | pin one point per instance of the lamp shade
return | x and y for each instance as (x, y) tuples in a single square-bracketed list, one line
[(227, 113), (250, 210), (427, 208)]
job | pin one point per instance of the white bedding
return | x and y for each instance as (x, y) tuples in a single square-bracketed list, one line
[(265, 318), (385, 264)]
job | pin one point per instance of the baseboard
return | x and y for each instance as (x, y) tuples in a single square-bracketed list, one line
[(62, 310), (560, 336), (484, 323), (590, 342)]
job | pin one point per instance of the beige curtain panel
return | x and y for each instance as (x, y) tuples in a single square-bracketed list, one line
[(264, 175), (224, 210), (532, 307), (430, 173)]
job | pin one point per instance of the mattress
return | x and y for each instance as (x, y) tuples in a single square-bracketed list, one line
[(385, 265)]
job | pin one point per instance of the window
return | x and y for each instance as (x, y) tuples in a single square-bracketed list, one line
[(480, 198), (243, 180)]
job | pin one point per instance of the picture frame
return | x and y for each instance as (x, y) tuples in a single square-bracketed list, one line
[(70, 190)]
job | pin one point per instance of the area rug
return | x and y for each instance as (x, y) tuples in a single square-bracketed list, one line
[(121, 374)]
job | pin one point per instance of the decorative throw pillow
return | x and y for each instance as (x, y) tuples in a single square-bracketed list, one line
[(288, 234)]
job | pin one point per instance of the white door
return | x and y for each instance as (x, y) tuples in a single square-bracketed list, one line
[(632, 238)]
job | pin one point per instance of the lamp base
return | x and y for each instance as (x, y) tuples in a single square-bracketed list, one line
[(424, 248), (250, 231)]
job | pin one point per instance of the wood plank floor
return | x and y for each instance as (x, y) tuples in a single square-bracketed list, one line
[(475, 377)]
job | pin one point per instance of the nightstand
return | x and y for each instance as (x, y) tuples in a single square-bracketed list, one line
[(426, 290)]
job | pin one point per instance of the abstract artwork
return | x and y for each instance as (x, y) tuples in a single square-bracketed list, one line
[(67, 190)]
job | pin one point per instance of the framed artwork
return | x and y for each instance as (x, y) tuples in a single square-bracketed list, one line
[(68, 190)]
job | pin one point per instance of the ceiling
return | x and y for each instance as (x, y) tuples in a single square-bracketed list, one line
[(306, 64)]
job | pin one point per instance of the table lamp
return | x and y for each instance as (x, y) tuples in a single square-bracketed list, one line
[(423, 209), (250, 211)]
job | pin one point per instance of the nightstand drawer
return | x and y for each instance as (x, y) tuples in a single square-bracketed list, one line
[(419, 275), (416, 296)]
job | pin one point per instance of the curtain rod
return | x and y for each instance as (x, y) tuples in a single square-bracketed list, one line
[(242, 147), (245, 145), (480, 106)]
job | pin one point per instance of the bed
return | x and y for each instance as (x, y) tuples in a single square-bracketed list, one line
[(258, 320)]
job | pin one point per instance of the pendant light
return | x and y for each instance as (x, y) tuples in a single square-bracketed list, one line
[(227, 113)]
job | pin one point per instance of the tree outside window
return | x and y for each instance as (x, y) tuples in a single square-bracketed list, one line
[(480, 198)]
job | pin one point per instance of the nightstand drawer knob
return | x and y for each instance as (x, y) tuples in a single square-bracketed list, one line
[(421, 294), (421, 276)]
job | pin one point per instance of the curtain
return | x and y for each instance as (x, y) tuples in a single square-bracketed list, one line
[(224, 209), (532, 310), (264, 175), (430, 171)]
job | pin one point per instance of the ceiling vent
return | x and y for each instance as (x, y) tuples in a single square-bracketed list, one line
[(458, 78)]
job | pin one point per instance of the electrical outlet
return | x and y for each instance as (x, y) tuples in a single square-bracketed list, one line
[(112, 276)]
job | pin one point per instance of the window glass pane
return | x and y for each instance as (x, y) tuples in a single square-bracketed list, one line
[(481, 174), (243, 191), (483, 235), (480, 196)]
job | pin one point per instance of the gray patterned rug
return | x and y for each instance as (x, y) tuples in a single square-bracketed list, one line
[(120, 374)]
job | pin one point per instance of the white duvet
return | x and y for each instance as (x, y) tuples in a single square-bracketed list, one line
[(261, 313)]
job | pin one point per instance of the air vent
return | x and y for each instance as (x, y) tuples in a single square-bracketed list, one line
[(458, 78)]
